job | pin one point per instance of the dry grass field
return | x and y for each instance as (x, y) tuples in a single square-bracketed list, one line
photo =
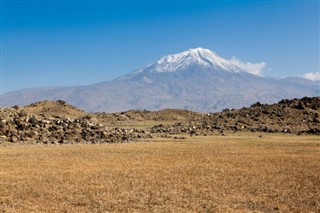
[(235, 173)]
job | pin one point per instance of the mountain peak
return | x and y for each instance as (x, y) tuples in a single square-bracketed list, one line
[(207, 57), (197, 56), (202, 51)]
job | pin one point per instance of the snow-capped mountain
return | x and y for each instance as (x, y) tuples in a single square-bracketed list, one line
[(197, 79), (198, 56)]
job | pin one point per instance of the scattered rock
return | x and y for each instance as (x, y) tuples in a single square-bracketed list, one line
[(179, 138), (18, 126)]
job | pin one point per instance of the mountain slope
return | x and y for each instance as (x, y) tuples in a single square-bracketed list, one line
[(197, 79), (181, 61)]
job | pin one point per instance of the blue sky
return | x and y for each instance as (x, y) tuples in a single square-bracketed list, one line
[(65, 43)]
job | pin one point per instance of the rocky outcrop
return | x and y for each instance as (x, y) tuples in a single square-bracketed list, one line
[(297, 116), (18, 126)]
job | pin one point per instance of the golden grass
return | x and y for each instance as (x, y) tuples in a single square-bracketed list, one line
[(243, 173)]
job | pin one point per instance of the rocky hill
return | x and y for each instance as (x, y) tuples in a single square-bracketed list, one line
[(54, 109), (297, 116), (57, 122)]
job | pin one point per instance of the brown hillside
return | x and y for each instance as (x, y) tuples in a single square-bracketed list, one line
[(54, 109), (167, 115)]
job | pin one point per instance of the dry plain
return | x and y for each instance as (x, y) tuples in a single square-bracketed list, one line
[(234, 173)]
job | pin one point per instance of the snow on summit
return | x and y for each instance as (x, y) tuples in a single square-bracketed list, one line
[(201, 57), (198, 56)]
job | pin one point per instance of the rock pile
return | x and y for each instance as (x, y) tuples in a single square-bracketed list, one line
[(18, 126), (297, 116)]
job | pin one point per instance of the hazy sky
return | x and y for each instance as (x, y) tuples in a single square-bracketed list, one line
[(65, 43)]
